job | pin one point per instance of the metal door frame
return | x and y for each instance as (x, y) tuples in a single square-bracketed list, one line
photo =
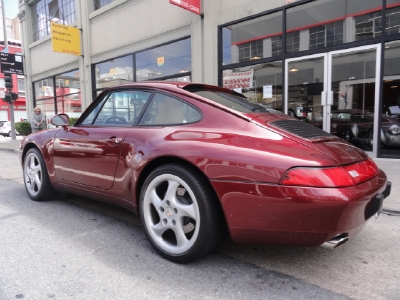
[(378, 48), (323, 93), (327, 93)]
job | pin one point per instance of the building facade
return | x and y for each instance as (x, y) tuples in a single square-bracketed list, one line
[(14, 47), (328, 62)]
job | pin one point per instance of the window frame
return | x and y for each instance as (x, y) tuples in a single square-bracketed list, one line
[(184, 102), (41, 17)]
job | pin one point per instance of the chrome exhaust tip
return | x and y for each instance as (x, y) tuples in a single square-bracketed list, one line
[(337, 241)]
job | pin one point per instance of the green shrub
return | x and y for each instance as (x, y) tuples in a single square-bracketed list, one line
[(72, 121), (23, 128)]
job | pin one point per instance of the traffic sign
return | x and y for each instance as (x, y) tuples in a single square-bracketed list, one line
[(11, 63)]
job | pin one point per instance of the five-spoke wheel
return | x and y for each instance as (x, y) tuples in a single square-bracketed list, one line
[(36, 179), (180, 213)]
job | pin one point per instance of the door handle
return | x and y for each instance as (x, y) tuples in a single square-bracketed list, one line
[(330, 98), (323, 98), (113, 140)]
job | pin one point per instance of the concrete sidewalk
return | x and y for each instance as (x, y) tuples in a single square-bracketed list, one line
[(391, 167), (7, 144)]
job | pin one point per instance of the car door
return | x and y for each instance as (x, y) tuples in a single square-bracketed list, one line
[(88, 152)]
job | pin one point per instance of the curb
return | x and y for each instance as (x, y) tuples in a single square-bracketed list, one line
[(10, 150)]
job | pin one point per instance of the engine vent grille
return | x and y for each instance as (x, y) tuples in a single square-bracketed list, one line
[(301, 129)]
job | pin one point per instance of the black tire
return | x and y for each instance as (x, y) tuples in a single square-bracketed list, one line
[(36, 178), (292, 113), (180, 214), (348, 135), (371, 140), (9, 133)]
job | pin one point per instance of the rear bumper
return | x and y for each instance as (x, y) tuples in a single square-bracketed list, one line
[(298, 216)]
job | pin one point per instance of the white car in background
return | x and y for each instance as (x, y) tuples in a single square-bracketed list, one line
[(5, 128)]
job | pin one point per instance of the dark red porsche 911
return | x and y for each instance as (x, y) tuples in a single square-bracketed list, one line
[(199, 162)]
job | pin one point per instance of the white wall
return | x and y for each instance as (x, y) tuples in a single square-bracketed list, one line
[(3, 115)]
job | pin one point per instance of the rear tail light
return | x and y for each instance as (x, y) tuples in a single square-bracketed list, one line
[(340, 176)]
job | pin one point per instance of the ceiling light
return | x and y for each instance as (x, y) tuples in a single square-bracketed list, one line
[(293, 69)]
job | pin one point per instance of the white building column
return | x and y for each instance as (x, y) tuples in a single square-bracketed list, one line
[(83, 9), (24, 17)]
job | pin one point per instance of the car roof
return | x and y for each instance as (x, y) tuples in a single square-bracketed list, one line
[(181, 87), (169, 85)]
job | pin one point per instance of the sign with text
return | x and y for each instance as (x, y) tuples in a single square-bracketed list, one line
[(238, 80), (191, 5), (11, 63), (267, 91), (65, 39)]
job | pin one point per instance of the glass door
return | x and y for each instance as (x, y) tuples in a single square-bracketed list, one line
[(306, 86), (337, 92), (353, 95)]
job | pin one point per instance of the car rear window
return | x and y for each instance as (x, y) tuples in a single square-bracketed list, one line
[(231, 100)]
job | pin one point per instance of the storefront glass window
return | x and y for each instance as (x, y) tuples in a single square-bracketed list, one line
[(253, 39), (44, 89), (46, 11), (21, 86), (47, 108), (325, 23), (68, 96), (182, 78), (166, 60), (390, 121), (113, 72), (65, 97), (392, 16), (292, 42), (368, 26), (100, 3), (259, 83)]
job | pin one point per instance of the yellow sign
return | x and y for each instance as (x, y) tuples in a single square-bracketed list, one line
[(160, 61), (65, 39)]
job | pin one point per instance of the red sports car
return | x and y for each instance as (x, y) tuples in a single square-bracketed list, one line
[(198, 162)]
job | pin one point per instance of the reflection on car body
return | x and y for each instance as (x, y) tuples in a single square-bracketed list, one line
[(199, 162)]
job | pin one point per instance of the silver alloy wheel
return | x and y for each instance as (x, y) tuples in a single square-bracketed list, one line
[(171, 214), (33, 174)]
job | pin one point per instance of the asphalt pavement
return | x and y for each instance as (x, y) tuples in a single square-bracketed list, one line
[(391, 167)]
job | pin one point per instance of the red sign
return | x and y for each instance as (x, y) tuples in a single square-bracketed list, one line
[(192, 5), (239, 80)]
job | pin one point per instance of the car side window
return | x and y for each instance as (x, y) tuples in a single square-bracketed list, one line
[(118, 108), (166, 110)]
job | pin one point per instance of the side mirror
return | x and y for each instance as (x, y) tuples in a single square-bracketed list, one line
[(60, 120)]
